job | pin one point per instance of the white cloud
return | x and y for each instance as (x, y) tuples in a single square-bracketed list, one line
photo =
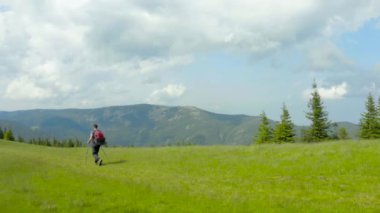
[(327, 57), (74, 50), (330, 93), (334, 92), (25, 88), (156, 63), (168, 93)]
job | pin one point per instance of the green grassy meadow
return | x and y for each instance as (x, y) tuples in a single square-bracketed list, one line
[(339, 176)]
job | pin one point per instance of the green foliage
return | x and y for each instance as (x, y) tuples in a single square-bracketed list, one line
[(20, 139), (180, 143), (56, 143), (284, 131), (318, 116), (8, 135), (306, 136), (342, 134), (370, 121), (1, 133), (265, 134), (378, 109), (378, 118)]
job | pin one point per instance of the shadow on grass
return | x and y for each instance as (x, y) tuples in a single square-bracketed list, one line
[(115, 162)]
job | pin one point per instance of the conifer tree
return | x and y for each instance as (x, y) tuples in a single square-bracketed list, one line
[(20, 139), (1, 133), (8, 135), (70, 143), (284, 131), (78, 143), (265, 134), (369, 123), (318, 116)]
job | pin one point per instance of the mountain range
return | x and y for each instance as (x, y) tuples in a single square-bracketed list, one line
[(140, 125)]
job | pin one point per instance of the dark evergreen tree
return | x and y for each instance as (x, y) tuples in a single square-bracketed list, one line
[(1, 133), (78, 143), (284, 131), (20, 139), (318, 116), (265, 134), (8, 135), (44, 141), (70, 143), (40, 141), (56, 142), (369, 123)]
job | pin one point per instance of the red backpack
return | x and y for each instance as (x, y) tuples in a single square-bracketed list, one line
[(99, 136)]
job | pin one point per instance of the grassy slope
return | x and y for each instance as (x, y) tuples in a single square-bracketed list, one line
[(324, 177)]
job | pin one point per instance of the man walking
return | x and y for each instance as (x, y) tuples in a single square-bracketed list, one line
[(96, 139)]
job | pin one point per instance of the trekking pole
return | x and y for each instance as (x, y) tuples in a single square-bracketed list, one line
[(104, 152), (87, 153)]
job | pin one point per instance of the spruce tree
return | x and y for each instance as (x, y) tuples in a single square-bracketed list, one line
[(8, 135), (1, 133), (265, 134), (284, 131), (318, 116), (369, 123)]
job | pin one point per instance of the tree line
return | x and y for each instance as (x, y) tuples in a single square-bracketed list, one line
[(7, 134), (321, 128), (57, 143)]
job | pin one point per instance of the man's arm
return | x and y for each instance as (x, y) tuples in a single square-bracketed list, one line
[(90, 139)]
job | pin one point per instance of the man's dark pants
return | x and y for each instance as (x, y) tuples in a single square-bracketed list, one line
[(95, 150)]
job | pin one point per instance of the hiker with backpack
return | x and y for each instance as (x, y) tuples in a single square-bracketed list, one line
[(96, 139)]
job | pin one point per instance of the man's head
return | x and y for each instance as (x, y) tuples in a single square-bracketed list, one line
[(95, 126)]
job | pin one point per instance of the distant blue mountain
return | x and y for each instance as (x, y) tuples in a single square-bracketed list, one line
[(139, 125)]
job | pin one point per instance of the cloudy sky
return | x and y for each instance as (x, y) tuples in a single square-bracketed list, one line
[(225, 56)]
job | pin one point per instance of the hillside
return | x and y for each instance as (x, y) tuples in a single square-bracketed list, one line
[(323, 177), (140, 125)]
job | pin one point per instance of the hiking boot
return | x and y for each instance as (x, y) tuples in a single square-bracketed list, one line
[(100, 162), (96, 161)]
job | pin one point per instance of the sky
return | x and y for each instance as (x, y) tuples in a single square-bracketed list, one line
[(224, 56)]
